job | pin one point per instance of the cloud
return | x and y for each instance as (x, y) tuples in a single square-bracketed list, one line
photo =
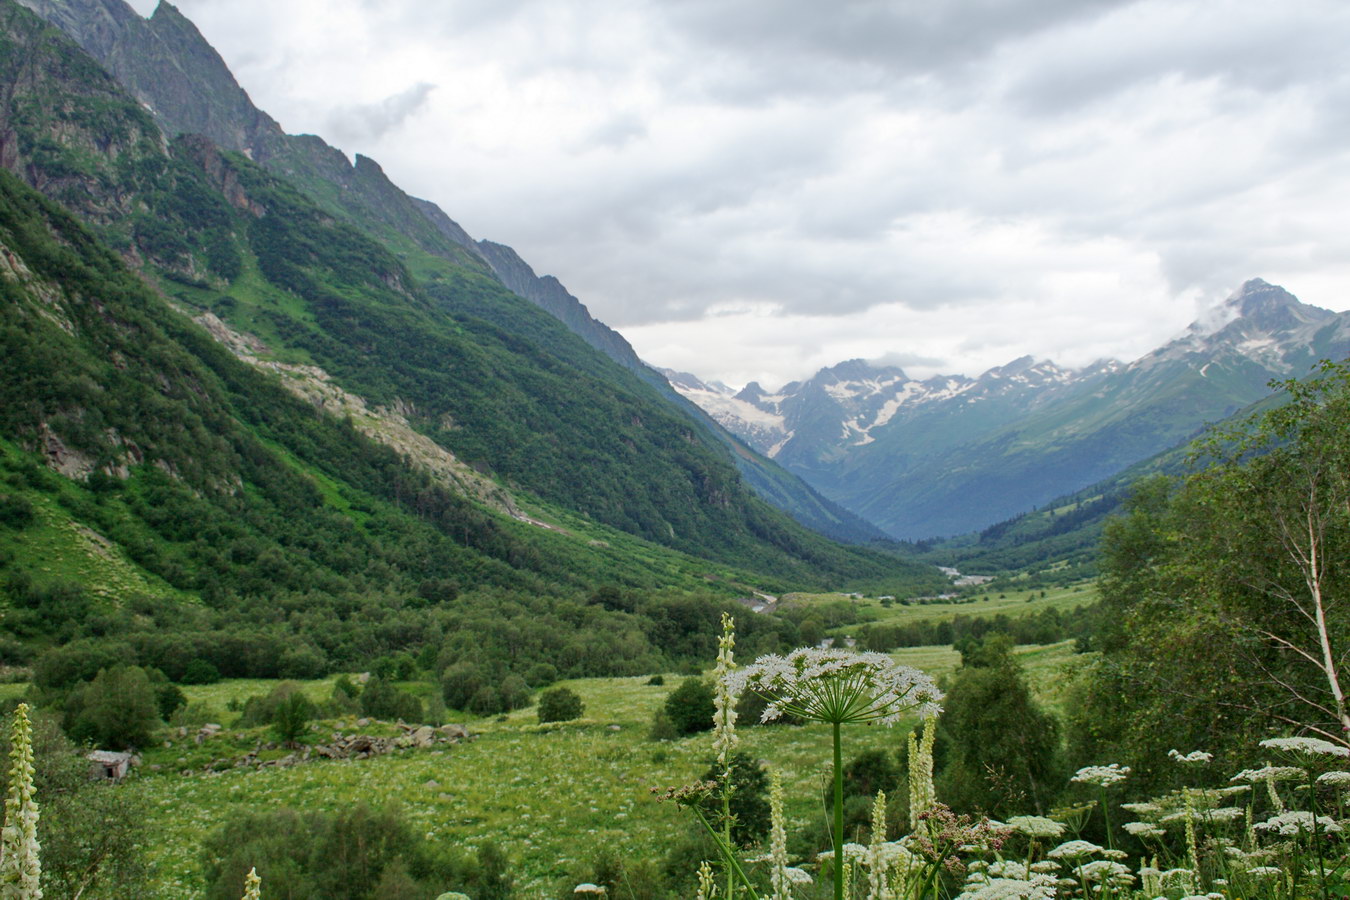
[(372, 121), (764, 187)]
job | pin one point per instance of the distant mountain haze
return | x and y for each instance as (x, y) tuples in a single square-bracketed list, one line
[(951, 454)]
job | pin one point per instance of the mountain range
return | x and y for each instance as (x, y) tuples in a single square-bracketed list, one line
[(952, 454)]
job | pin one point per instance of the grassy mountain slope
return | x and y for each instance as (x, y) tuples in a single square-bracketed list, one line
[(529, 403), (166, 63)]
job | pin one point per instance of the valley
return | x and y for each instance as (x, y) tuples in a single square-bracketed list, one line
[(404, 577)]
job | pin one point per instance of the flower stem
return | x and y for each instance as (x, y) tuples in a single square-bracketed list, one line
[(838, 830)]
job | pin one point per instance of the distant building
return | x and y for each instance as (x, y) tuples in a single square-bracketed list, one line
[(107, 765)]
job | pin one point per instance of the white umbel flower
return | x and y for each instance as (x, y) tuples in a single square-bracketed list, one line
[(836, 686), (1102, 776), (1195, 757), (1036, 826), (1306, 746), (20, 862), (1295, 821)]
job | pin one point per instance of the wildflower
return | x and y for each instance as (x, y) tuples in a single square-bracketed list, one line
[(878, 888), (778, 877), (1264, 871), (252, 885), (797, 876), (1038, 888), (705, 881), (922, 796), (1306, 746), (1102, 776), (852, 853), (1036, 826), (1074, 850), (587, 888), (724, 705), (20, 865), (1143, 829), (1105, 871), (1295, 821), (1270, 773), (1195, 757), (836, 686), (1225, 814)]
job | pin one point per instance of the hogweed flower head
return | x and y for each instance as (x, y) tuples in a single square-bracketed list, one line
[(1295, 821), (1194, 758), (837, 686), (1306, 746), (1036, 826), (1102, 776), (724, 704), (20, 863)]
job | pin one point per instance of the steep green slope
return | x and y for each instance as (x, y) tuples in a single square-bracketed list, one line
[(493, 379), (166, 63), (530, 403)]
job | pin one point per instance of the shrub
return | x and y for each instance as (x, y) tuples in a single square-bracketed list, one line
[(560, 705), (381, 700), (690, 707), (200, 671), (291, 718)]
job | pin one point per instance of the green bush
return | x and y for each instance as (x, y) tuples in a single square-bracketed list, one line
[(560, 705), (690, 707), (200, 671)]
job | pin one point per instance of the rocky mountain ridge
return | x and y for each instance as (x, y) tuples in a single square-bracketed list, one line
[(953, 453)]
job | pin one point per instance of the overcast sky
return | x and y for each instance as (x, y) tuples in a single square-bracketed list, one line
[(754, 189)]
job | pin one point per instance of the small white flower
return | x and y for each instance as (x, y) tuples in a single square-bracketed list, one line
[(587, 888), (1103, 776), (797, 876), (1264, 871), (1335, 779)]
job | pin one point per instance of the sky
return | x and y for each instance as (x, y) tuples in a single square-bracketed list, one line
[(755, 189)]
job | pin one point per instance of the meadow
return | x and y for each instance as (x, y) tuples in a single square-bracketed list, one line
[(549, 796)]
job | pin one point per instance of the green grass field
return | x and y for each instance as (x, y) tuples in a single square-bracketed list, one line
[(1010, 603), (549, 797)]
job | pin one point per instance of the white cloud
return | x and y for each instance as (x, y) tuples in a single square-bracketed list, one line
[(754, 190)]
